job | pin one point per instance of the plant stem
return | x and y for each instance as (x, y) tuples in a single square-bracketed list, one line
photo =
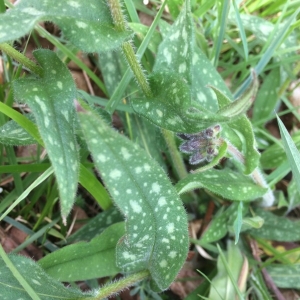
[(136, 68), (175, 154), (16, 55), (120, 285)]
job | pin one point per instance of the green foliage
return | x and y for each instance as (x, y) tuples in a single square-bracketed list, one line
[(230, 268), (83, 261), (285, 276), (11, 133), (140, 188), (276, 228), (45, 287), (89, 27), (223, 183), (95, 226), (178, 113), (53, 109)]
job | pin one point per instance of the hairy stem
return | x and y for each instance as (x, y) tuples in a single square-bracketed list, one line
[(175, 154), (120, 285), (132, 60), (22, 59)]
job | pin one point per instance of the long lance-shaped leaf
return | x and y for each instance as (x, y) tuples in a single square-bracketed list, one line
[(176, 51), (51, 101), (45, 287), (156, 225), (82, 260), (89, 27), (224, 183), (241, 124), (239, 106)]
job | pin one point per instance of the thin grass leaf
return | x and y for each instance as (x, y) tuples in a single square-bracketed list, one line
[(229, 269), (291, 152), (94, 187), (223, 10), (17, 276), (269, 53), (37, 182), (95, 226), (241, 29), (35, 236)]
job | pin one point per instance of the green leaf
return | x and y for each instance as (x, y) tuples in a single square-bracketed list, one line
[(51, 101), (244, 127), (276, 228), (171, 107), (83, 261), (231, 265), (291, 152), (89, 27), (156, 225), (96, 226), (205, 74), (218, 227), (199, 71), (267, 96), (141, 31), (226, 183), (285, 276), (238, 222), (89, 181), (11, 133), (176, 51), (25, 123), (275, 155), (239, 106), (43, 285)]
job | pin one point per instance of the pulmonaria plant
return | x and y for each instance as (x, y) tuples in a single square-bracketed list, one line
[(153, 241), (202, 146)]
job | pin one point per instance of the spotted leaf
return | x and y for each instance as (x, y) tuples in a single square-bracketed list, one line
[(11, 133), (171, 107), (218, 227), (83, 260), (229, 184), (176, 51), (51, 101), (89, 27), (45, 287), (156, 225)]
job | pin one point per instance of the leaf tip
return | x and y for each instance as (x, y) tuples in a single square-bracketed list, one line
[(64, 220)]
